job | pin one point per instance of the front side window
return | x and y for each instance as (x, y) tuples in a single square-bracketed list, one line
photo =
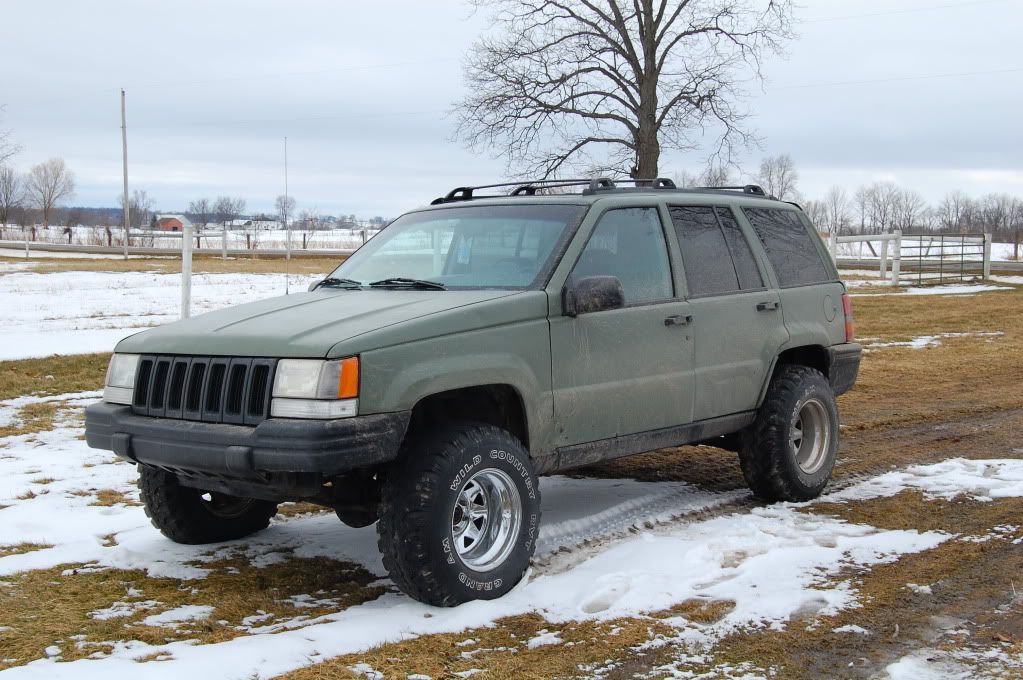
[(503, 246), (629, 243), (789, 245)]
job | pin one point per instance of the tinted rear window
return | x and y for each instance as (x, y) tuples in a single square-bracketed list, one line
[(789, 245)]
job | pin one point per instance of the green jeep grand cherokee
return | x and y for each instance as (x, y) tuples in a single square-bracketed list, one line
[(478, 343)]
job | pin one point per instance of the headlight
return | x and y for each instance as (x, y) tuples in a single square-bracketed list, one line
[(313, 388), (120, 383)]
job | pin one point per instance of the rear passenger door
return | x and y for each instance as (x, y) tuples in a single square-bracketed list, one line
[(737, 322)]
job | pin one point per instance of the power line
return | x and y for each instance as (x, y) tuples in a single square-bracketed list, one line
[(911, 10), (933, 76)]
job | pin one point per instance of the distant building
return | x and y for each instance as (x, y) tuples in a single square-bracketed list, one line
[(170, 222)]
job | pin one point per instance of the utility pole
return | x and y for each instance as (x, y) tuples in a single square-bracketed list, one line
[(124, 149), (287, 229)]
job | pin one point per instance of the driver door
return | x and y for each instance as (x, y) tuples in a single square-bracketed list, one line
[(623, 371)]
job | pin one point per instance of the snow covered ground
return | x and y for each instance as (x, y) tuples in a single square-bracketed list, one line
[(647, 548), (81, 312)]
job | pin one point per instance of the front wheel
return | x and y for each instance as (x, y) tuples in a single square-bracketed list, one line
[(460, 513), (789, 451), (192, 516)]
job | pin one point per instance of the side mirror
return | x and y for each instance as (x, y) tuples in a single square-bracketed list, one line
[(314, 285), (593, 294)]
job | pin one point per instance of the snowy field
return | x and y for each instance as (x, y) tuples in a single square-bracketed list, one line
[(772, 562), (81, 312), (1000, 252)]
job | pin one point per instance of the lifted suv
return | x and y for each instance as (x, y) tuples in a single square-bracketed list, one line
[(478, 343)]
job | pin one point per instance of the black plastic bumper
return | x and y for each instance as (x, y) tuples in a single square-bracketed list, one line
[(844, 366), (285, 456)]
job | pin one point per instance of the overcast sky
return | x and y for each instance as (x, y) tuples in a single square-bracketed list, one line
[(928, 93)]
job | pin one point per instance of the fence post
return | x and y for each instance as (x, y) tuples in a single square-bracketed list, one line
[(223, 243), (26, 244), (987, 256), (884, 257), (186, 271), (897, 257)]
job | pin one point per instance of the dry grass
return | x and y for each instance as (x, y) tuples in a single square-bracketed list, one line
[(301, 508), (22, 548), (32, 418), (201, 264), (110, 497), (500, 650), (48, 607), (53, 375)]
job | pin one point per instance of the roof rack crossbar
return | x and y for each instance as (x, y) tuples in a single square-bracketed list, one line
[(753, 189)]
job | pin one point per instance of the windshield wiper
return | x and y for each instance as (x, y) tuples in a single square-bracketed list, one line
[(403, 282), (340, 283)]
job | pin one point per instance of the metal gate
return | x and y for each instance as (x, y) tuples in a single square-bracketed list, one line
[(926, 257)]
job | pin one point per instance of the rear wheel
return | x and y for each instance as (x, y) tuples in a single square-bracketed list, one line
[(789, 452), (460, 513), (193, 516)]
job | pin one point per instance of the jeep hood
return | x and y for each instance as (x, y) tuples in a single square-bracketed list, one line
[(301, 325)]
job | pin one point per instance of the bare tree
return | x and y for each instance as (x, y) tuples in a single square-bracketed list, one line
[(11, 194), (876, 204), (836, 210), (140, 207), (605, 85), (48, 184), (226, 209), (778, 177), (284, 208), (908, 210), (953, 210), (7, 147), (1016, 223), (817, 211), (201, 211)]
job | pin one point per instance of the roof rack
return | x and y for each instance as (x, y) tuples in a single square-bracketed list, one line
[(530, 188), (752, 189)]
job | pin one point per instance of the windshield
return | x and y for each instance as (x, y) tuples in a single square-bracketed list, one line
[(506, 246)]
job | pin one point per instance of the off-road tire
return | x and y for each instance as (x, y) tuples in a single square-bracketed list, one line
[(768, 461), (415, 532), (184, 516)]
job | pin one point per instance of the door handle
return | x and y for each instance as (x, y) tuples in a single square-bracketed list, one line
[(767, 306), (678, 320)]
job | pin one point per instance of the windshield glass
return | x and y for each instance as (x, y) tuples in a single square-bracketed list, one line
[(507, 246)]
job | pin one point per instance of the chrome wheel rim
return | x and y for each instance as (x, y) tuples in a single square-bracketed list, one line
[(810, 436), (486, 519)]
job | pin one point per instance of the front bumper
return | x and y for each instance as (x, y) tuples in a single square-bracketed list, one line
[(276, 459), (844, 366)]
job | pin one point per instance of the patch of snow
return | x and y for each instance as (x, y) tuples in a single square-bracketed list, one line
[(52, 650), (919, 589), (925, 341), (544, 638), (851, 628), (951, 289), (468, 673), (366, 671), (983, 480), (120, 610), (182, 614)]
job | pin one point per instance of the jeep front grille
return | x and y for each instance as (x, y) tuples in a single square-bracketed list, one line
[(207, 389)]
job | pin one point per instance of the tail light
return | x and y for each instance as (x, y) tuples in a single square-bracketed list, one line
[(850, 323)]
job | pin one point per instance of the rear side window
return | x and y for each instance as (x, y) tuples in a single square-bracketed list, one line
[(715, 252), (789, 245)]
